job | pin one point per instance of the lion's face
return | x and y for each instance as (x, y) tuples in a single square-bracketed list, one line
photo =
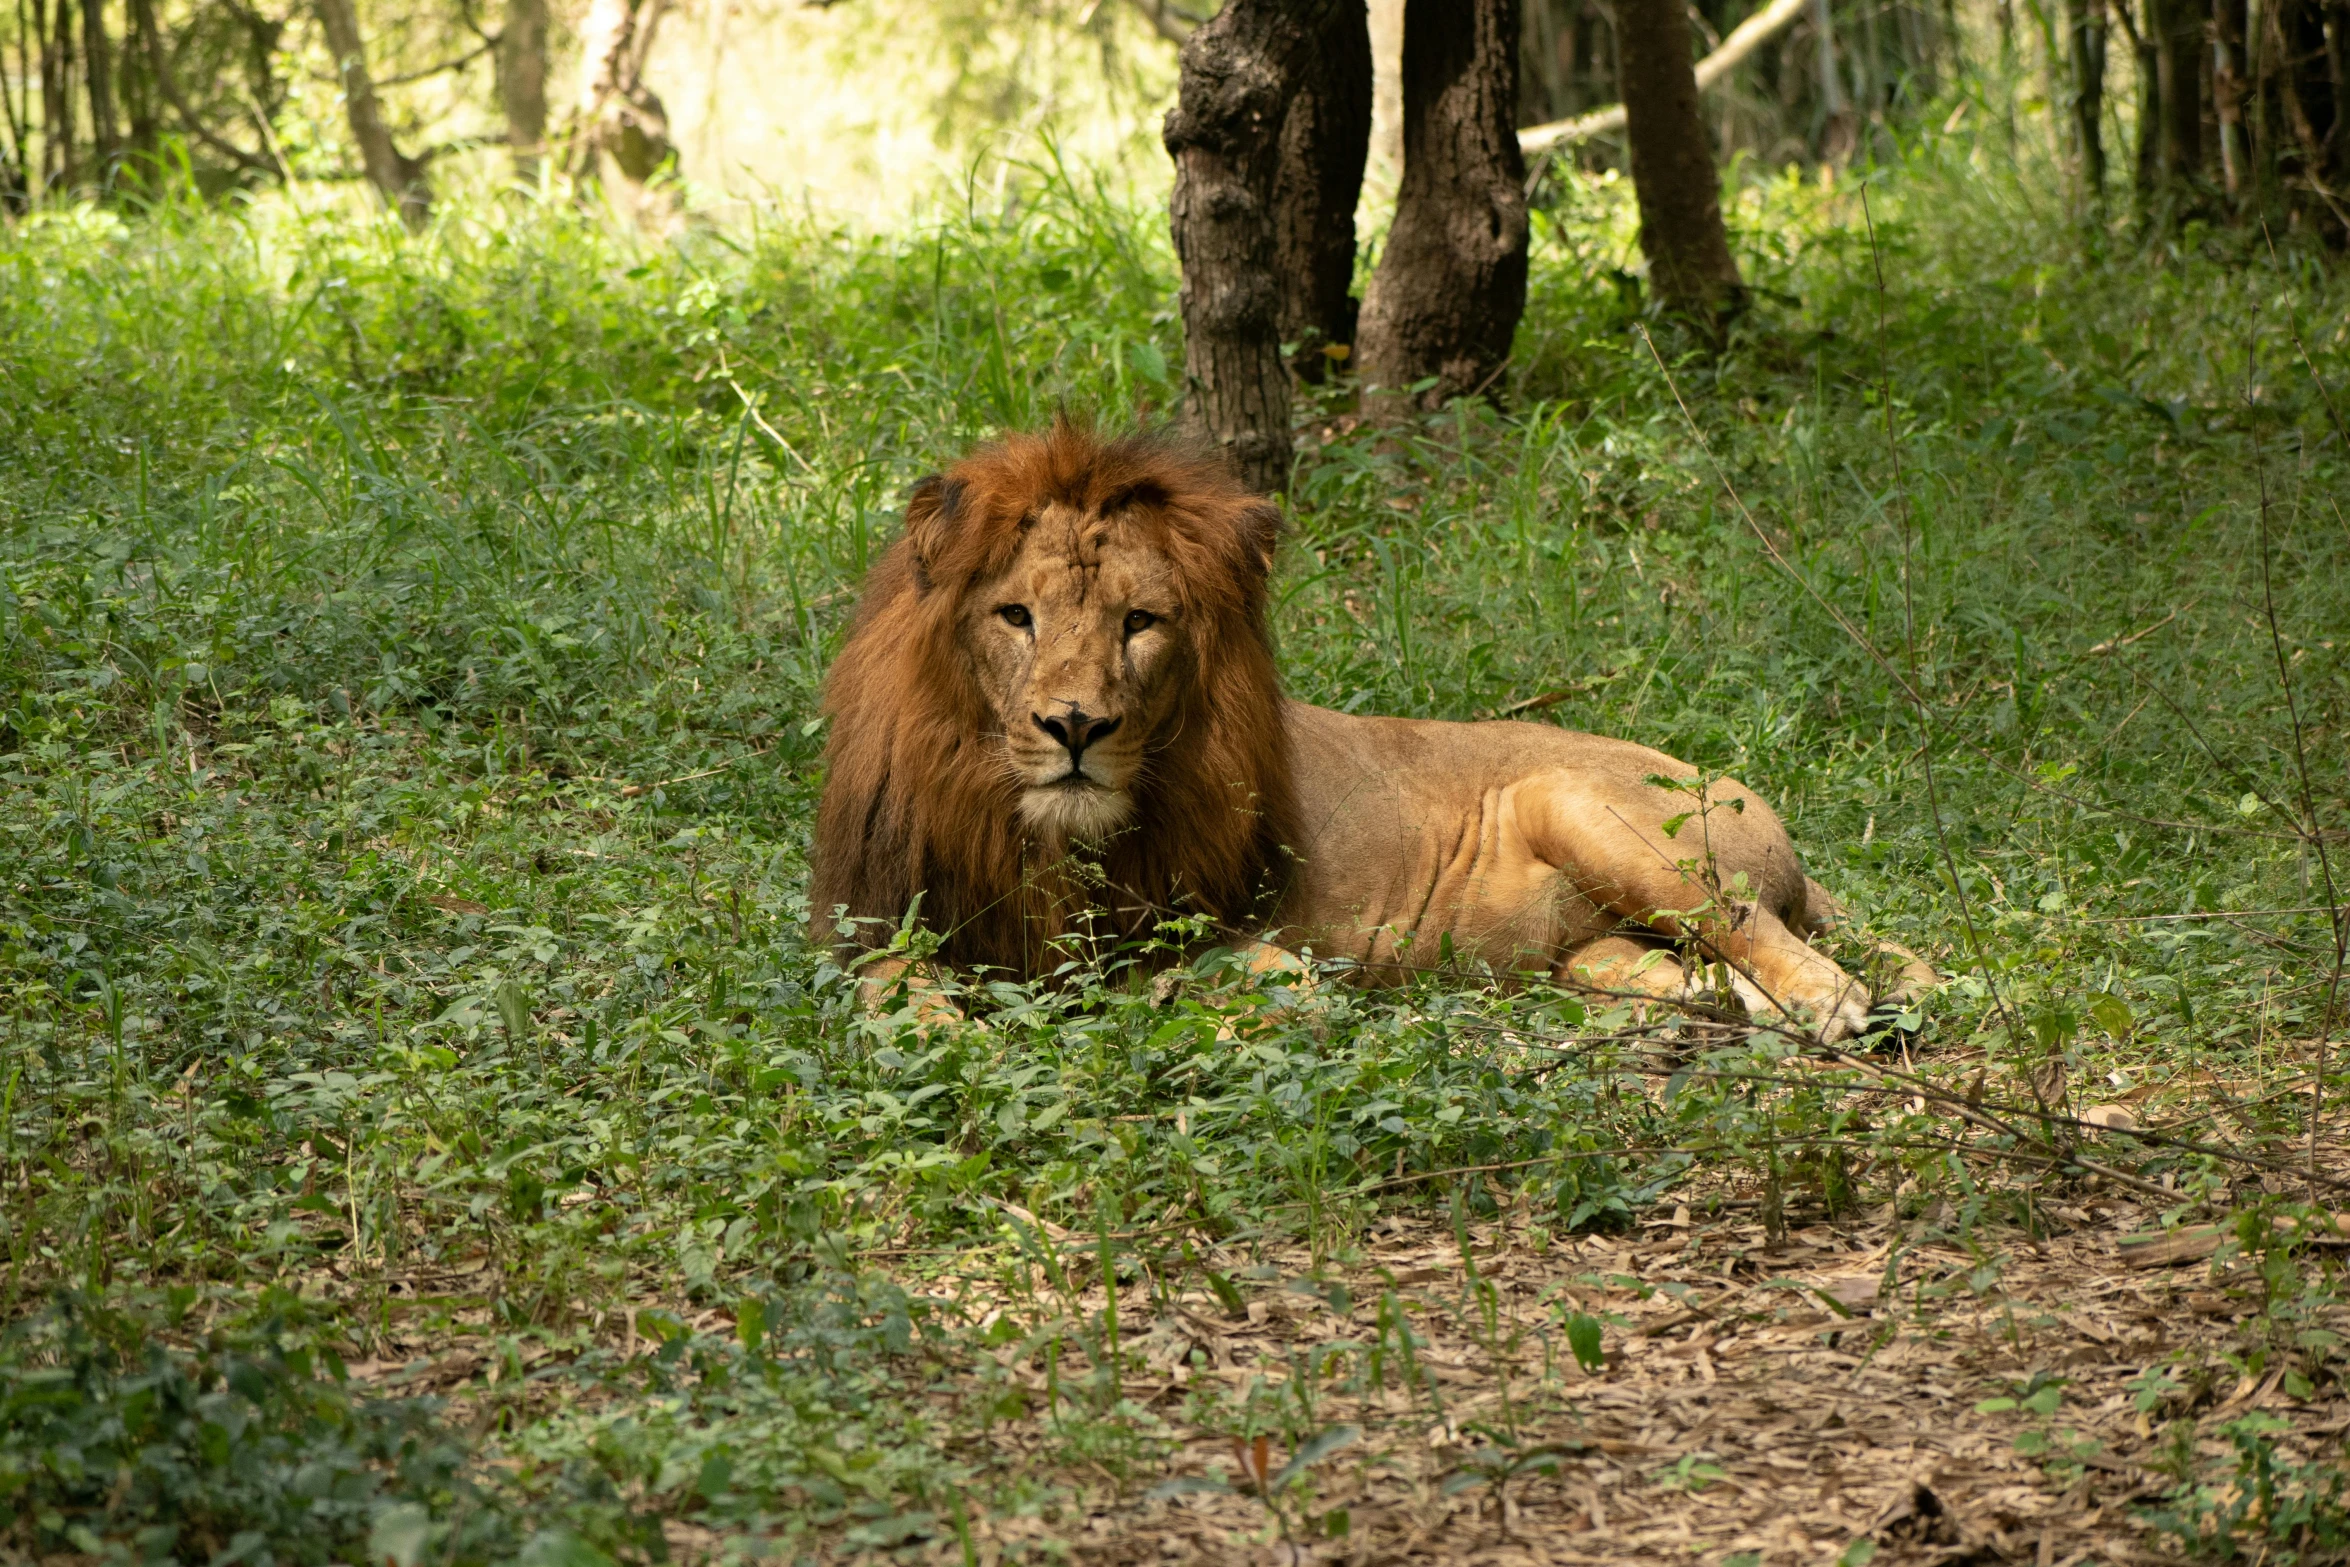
[(1080, 646)]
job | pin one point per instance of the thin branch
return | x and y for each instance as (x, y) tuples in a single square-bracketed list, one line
[(1744, 39), (151, 37), (458, 64), (1170, 22)]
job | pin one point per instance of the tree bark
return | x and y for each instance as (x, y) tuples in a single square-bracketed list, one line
[(399, 177), (1444, 304), (2311, 103), (98, 70), (2228, 93), (2177, 26), (2087, 26), (1240, 72), (141, 110), (1840, 127), (2147, 156), (522, 82), (623, 130), (1673, 177), (57, 161), (16, 171), (1324, 141), (2337, 26), (2339, 76)]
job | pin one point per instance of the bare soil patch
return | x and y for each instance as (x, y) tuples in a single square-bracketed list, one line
[(1784, 1401)]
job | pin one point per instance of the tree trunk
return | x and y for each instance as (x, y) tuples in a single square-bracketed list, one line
[(1839, 127), (2146, 56), (2337, 25), (2086, 19), (1681, 232), (1324, 141), (623, 130), (1445, 302), (399, 177), (141, 108), (16, 171), (2177, 26), (158, 77), (57, 162), (2228, 93), (2311, 103), (522, 82), (1241, 71), (98, 71)]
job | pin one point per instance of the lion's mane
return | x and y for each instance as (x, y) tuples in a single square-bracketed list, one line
[(917, 797)]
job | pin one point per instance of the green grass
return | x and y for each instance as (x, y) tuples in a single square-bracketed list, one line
[(412, 650)]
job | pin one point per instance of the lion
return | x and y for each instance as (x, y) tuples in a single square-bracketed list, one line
[(1056, 714)]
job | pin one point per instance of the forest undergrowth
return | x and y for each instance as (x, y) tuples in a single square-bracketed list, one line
[(426, 1132)]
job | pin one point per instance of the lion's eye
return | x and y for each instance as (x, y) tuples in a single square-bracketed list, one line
[(1139, 621), (1015, 615)]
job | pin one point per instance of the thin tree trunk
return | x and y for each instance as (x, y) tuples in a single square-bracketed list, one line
[(57, 96), (2177, 26), (2228, 91), (522, 82), (1544, 88), (1240, 72), (1867, 62), (1839, 132), (2052, 72), (1442, 308), (623, 130), (98, 81), (2337, 25), (16, 175), (2146, 172), (1324, 141), (399, 177), (2087, 25), (1681, 232), (140, 101), (159, 75), (2311, 103)]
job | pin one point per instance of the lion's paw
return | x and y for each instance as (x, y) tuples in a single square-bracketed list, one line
[(1832, 1010)]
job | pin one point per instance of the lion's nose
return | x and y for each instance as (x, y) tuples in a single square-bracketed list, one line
[(1075, 729)]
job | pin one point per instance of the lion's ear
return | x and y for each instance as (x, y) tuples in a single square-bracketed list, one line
[(931, 515), (1259, 525)]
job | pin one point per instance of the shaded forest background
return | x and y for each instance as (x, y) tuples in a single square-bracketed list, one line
[(2187, 107)]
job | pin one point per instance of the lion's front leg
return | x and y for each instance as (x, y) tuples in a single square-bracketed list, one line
[(1897, 975), (1714, 894), (1777, 971)]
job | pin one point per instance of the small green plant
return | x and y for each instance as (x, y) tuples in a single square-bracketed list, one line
[(2061, 1449), (111, 1440), (2264, 1506), (1691, 1472), (1281, 1490)]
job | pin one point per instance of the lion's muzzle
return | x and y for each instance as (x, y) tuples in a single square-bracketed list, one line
[(1083, 802), (1074, 731)]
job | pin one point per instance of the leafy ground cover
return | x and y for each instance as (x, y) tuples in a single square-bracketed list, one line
[(425, 1130)]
